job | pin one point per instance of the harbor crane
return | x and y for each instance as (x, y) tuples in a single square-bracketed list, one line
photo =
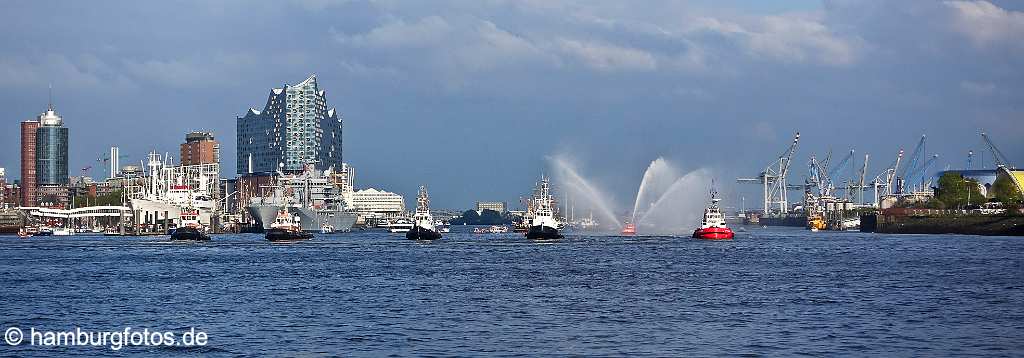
[(886, 178), (773, 181), (922, 173), (915, 158), (860, 186), (997, 155)]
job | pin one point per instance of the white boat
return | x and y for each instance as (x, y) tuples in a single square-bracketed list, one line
[(62, 232), (400, 226), (423, 223), (543, 224)]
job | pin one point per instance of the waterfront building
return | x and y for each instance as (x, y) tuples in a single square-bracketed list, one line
[(294, 128), (28, 162), (499, 206), (200, 148), (376, 203), (51, 150)]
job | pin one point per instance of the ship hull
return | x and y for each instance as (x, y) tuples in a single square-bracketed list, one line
[(189, 234), (541, 232), (422, 233), (281, 235), (713, 233), (311, 221)]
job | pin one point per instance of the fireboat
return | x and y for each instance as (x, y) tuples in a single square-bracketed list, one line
[(629, 229), (713, 227)]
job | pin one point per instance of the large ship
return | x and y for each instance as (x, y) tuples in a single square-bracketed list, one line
[(543, 225), (11, 221), (423, 223), (311, 197)]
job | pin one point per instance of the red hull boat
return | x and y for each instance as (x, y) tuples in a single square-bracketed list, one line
[(630, 229), (714, 233), (713, 227)]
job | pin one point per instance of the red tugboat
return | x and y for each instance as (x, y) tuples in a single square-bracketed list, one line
[(712, 227), (629, 229)]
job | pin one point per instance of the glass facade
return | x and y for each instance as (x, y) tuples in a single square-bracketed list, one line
[(293, 129), (52, 155)]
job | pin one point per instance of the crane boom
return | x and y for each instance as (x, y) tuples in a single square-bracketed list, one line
[(997, 155)]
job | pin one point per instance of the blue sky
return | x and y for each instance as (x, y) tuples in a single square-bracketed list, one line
[(469, 97)]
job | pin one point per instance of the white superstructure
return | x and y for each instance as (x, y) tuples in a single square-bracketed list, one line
[(542, 205), (422, 218), (378, 202)]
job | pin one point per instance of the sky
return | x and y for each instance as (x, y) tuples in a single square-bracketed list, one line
[(472, 98)]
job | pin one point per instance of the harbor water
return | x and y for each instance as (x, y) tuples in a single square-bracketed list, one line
[(773, 291)]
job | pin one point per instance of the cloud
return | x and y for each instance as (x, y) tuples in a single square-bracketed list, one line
[(786, 38), (607, 57), (987, 24)]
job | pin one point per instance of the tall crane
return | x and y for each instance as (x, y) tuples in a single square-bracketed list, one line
[(915, 157), (997, 155), (835, 170), (886, 178), (773, 181), (922, 173), (860, 187)]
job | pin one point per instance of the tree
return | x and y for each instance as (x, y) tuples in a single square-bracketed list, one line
[(1005, 191), (491, 217), (956, 191), (469, 217)]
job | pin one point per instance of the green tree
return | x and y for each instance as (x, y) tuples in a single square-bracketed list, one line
[(956, 191), (491, 217), (1005, 191)]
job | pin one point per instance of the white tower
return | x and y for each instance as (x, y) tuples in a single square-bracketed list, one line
[(115, 164)]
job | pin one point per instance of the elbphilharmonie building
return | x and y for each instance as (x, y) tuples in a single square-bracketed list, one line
[(295, 128)]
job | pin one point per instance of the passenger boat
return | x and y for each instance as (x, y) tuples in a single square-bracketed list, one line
[(190, 228), (713, 227), (286, 228), (495, 229), (543, 225), (400, 226), (423, 223)]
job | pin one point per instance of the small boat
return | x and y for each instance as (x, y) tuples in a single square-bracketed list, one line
[(286, 228), (543, 225), (495, 229), (713, 227), (22, 233), (44, 231), (400, 226), (327, 229), (629, 229), (423, 223), (190, 229)]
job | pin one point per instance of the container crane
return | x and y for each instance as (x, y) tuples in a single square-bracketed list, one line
[(773, 181)]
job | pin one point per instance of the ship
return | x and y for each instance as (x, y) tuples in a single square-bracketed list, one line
[(542, 222), (423, 223), (287, 228), (310, 196), (629, 229), (190, 229), (11, 221), (713, 226)]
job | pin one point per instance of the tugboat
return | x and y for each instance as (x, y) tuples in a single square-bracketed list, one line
[(713, 226), (190, 229), (629, 229), (543, 225), (286, 228), (423, 223)]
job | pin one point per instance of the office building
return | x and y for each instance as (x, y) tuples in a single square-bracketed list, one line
[(51, 150), (377, 203), (295, 128), (498, 206), (28, 162), (200, 148)]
